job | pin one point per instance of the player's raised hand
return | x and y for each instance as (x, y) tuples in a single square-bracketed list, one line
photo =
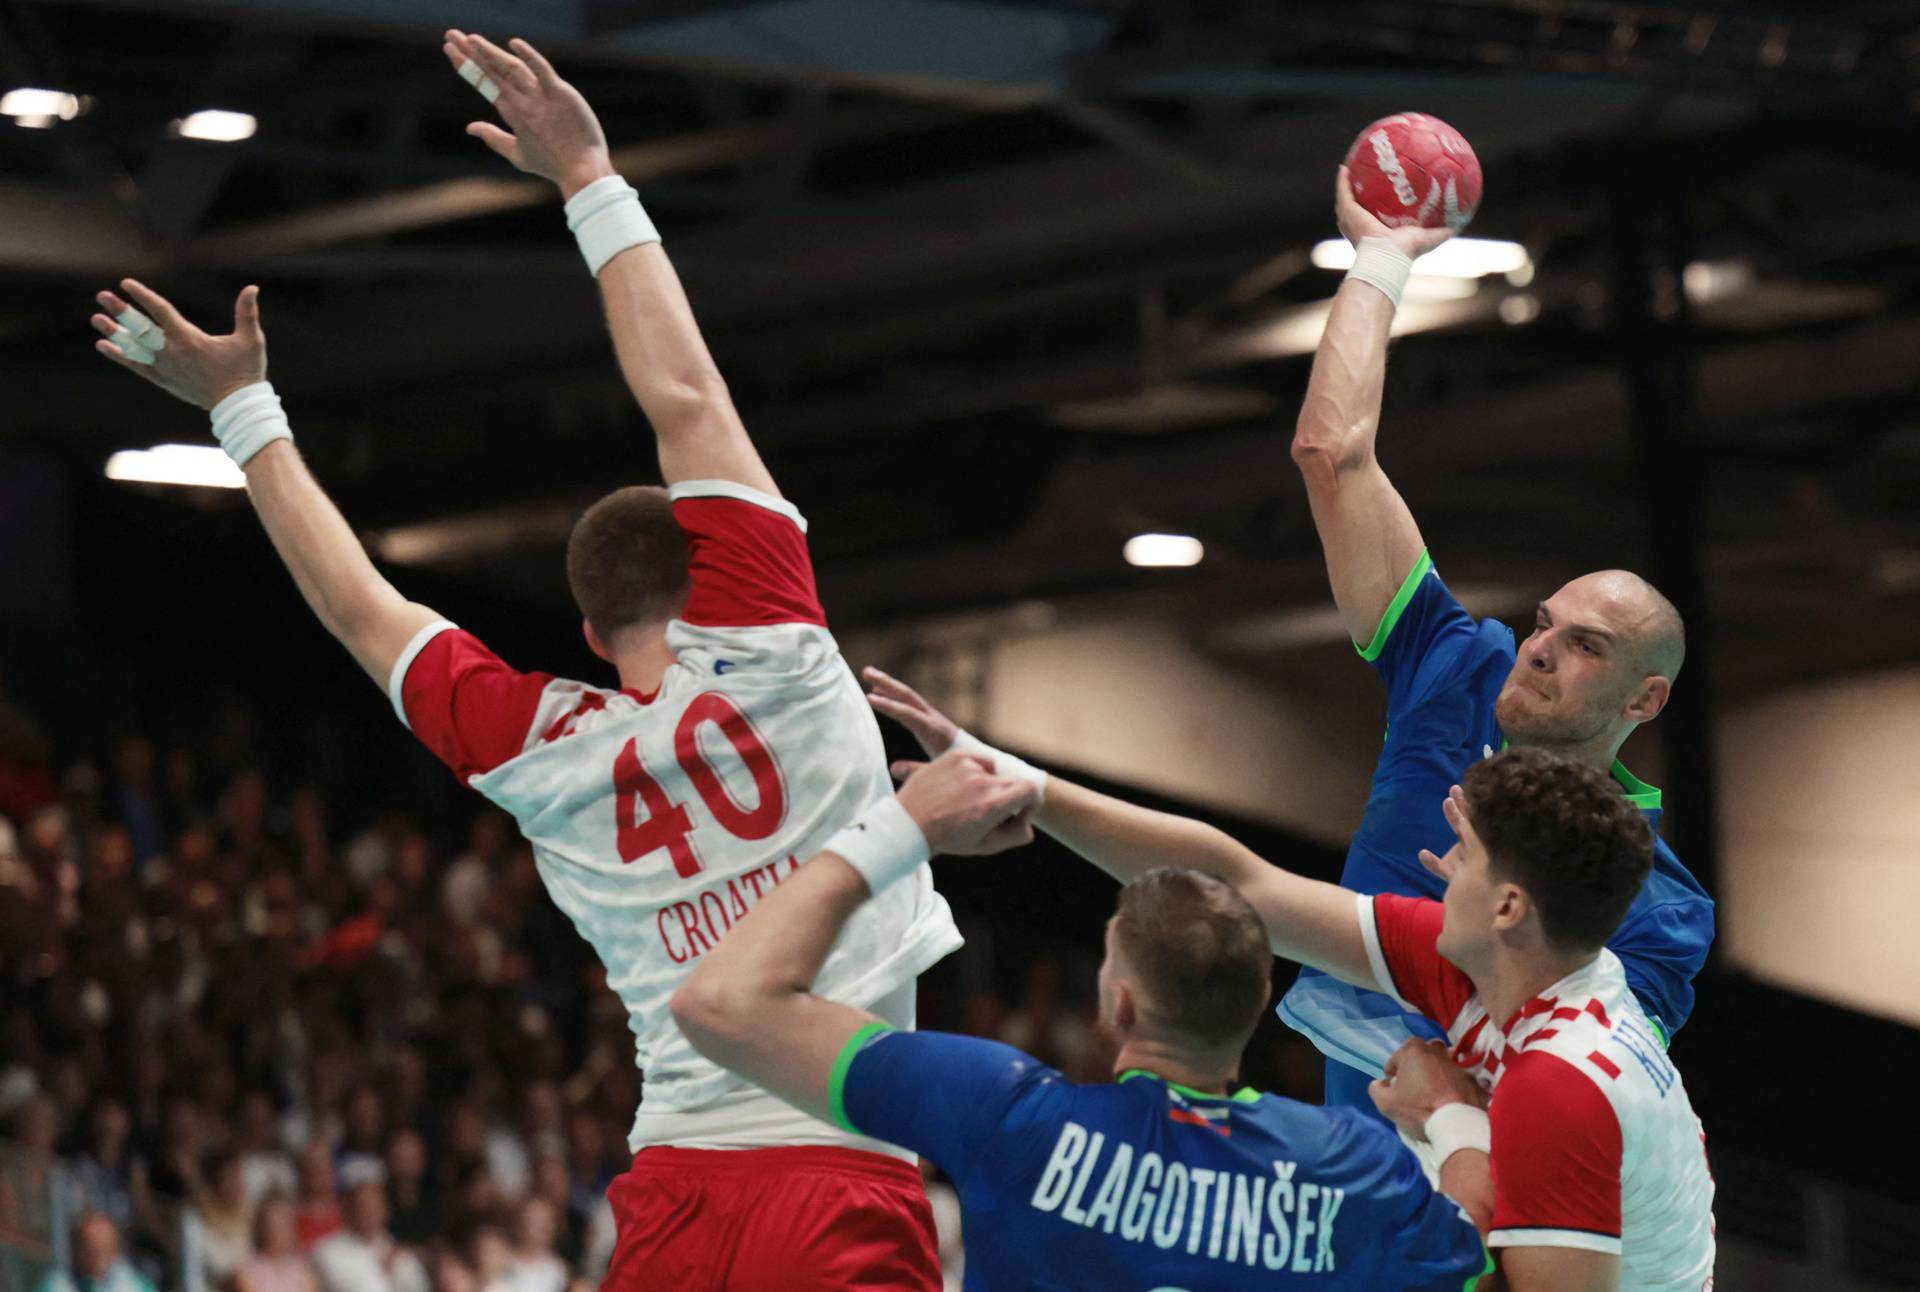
[(890, 696), (965, 810), (156, 341), (1455, 810), (1356, 222), (554, 133)]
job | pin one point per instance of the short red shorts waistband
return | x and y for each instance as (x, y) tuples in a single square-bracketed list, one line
[(800, 1157)]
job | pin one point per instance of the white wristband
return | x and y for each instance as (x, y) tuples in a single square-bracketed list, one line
[(1458, 1126), (1004, 763), (883, 844), (1383, 265), (606, 218), (248, 420)]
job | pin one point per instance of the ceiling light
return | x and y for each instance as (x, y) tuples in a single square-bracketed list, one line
[(1164, 550), (33, 104), (216, 126), (1455, 258), (36, 123), (177, 464)]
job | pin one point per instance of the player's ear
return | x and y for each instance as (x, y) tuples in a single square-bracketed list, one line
[(1126, 1010), (1511, 906), (1649, 700), (594, 644)]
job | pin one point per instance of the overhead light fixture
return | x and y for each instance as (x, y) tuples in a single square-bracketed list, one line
[(204, 465), (1164, 550), (216, 125), (25, 105), (1455, 258)]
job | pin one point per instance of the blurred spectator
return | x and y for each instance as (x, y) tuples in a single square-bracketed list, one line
[(412, 1195), (363, 1257), (135, 800), (103, 1173), (263, 1162), (533, 1266), (317, 1213), (224, 1216), (277, 1263), (95, 1265), (491, 1255), (1045, 1027)]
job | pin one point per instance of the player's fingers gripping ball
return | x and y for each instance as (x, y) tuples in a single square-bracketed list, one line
[(1413, 169)]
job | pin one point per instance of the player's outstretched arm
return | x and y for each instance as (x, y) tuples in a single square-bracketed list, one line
[(1366, 531), (226, 375), (554, 134), (1308, 921), (750, 1007)]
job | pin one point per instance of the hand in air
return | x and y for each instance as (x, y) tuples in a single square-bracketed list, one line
[(1421, 1078), (893, 698), (1455, 808), (156, 341), (554, 132), (1356, 222), (965, 810)]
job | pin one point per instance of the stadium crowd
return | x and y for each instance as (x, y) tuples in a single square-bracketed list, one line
[(252, 1037)]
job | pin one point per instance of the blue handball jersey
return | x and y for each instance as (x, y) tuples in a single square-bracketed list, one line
[(1444, 671), (1141, 1186)]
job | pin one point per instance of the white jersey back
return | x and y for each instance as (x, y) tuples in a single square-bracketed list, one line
[(1595, 1143), (658, 820)]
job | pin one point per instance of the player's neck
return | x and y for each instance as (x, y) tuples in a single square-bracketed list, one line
[(642, 659), (1172, 1068), (1599, 752), (1520, 975)]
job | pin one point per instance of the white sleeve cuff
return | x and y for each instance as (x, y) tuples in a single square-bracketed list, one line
[(397, 678), (734, 489), (1582, 1239), (1376, 957)]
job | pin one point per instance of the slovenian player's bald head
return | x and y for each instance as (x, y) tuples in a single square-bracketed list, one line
[(1602, 656), (1194, 957), (627, 561)]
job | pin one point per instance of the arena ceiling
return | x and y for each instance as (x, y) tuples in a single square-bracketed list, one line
[(997, 285)]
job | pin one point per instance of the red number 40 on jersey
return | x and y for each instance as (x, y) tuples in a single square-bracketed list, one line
[(648, 820)]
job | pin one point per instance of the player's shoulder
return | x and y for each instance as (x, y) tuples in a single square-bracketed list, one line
[(731, 500)]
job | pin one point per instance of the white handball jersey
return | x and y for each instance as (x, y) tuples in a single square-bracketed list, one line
[(1595, 1144), (658, 820)]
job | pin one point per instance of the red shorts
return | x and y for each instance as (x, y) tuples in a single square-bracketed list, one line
[(771, 1220)]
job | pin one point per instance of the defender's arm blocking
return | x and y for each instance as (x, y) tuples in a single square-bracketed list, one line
[(662, 355), (349, 596)]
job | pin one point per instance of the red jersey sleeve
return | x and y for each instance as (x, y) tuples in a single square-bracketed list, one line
[(463, 701), (1556, 1158), (750, 565), (1400, 933)]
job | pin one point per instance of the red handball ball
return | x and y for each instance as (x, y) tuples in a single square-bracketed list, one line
[(1413, 169)]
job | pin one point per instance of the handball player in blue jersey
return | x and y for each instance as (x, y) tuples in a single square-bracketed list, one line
[(1602, 657), (1164, 1180)]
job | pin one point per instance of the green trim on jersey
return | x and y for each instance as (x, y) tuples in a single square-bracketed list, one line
[(837, 1083), (1421, 568), (1639, 793), (1473, 1280), (1659, 1031), (1244, 1095)]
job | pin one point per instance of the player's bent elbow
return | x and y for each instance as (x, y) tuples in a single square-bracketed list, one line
[(1322, 462), (713, 1018)]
